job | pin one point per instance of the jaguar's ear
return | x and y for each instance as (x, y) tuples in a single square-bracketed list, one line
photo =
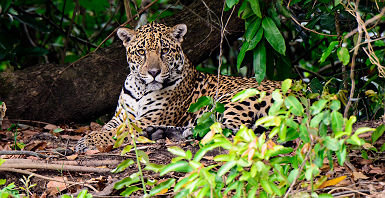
[(126, 35), (179, 31)]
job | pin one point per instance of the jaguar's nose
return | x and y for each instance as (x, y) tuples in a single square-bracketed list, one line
[(154, 72)]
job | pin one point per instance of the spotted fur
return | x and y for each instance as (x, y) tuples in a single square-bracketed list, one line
[(163, 83)]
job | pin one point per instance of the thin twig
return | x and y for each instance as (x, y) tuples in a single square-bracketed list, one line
[(299, 173), (223, 29), (29, 153), (350, 189), (361, 25), (44, 177), (30, 121), (69, 30), (372, 20), (298, 23), (61, 167)]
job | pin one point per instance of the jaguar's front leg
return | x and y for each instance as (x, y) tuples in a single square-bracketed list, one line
[(171, 132)]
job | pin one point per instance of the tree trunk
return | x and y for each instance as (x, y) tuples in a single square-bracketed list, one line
[(90, 87)]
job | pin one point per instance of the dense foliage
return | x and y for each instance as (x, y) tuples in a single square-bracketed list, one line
[(62, 31)]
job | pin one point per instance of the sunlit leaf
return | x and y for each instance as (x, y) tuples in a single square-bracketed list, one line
[(177, 151), (231, 3), (226, 167), (343, 55), (179, 166), (162, 188), (294, 105), (122, 166), (244, 94), (378, 133), (286, 84), (129, 190), (202, 102), (327, 52), (255, 7)]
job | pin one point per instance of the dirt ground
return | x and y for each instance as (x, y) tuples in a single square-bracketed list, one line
[(58, 170)]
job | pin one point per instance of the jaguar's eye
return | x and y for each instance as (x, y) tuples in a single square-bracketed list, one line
[(141, 52), (165, 50)]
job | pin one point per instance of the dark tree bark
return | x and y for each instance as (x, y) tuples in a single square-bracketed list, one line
[(90, 87)]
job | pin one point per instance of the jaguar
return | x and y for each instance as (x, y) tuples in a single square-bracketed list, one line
[(163, 83)]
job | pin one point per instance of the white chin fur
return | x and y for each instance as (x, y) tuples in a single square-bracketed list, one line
[(154, 86)]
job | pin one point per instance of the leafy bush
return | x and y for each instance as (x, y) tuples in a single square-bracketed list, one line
[(255, 164)]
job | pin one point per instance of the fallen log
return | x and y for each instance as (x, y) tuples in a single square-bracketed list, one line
[(90, 87)]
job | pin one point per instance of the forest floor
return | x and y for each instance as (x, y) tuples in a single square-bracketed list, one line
[(58, 170)]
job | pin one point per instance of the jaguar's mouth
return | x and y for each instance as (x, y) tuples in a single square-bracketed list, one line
[(154, 85)]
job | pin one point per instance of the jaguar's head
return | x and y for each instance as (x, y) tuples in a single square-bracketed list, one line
[(154, 53)]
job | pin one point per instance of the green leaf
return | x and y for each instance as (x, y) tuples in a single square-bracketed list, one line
[(341, 155), (245, 10), (252, 28), (1, 162), (343, 55), (286, 84), (154, 167), (266, 186), (231, 3), (317, 106), (304, 134), (331, 143), (364, 154), (255, 7), (2, 181), (335, 105), (201, 152), (293, 174), (58, 130), (82, 194), (181, 183), (259, 62), (226, 167), (162, 186), (179, 166), (242, 53), (325, 195), (126, 163), (244, 94), (219, 107), (126, 149), (177, 151), (129, 190), (363, 130), (126, 182), (328, 51), (202, 102), (273, 35), (337, 121), (255, 40), (316, 120), (294, 105), (349, 125), (376, 134)]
